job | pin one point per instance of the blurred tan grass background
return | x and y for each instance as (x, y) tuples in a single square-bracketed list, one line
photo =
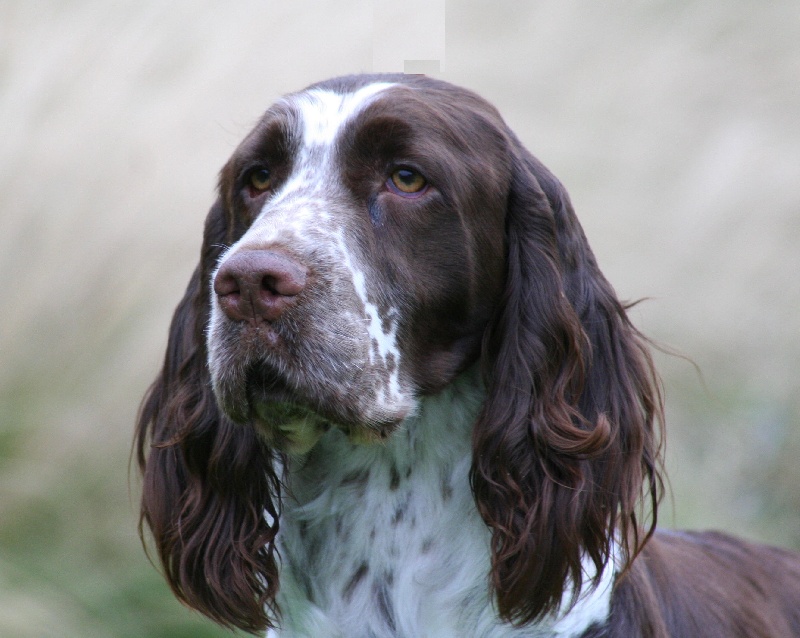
[(675, 126)]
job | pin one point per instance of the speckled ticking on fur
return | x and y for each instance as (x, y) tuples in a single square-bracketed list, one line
[(412, 553)]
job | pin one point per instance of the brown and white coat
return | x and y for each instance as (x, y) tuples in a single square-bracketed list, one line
[(400, 399)]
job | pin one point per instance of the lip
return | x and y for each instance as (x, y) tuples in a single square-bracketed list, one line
[(290, 428), (279, 415), (266, 385), (283, 416), (291, 419)]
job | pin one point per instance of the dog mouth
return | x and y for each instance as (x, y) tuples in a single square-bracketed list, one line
[(292, 404), (280, 415), (293, 419), (289, 427)]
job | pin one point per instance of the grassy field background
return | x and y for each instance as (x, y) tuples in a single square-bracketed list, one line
[(675, 126)]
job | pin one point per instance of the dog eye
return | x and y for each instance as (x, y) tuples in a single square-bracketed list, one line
[(407, 181), (259, 179)]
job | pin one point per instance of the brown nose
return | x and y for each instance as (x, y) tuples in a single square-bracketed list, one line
[(258, 284)]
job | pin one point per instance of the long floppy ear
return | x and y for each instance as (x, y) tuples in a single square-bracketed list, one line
[(568, 440), (209, 487)]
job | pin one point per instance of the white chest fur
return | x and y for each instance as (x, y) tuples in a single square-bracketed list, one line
[(385, 541)]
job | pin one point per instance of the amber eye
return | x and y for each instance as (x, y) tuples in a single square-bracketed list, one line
[(259, 179), (408, 181)]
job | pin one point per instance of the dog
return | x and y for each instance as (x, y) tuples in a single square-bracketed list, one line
[(400, 399)]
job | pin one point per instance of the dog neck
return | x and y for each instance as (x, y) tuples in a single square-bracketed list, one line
[(385, 540)]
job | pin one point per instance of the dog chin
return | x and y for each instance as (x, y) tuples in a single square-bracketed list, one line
[(296, 430), (289, 428)]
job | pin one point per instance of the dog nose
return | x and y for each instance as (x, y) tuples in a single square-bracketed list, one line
[(255, 285)]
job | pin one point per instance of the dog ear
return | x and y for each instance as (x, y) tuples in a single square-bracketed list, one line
[(569, 432), (210, 492)]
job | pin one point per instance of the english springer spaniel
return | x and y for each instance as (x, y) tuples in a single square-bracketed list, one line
[(400, 399)]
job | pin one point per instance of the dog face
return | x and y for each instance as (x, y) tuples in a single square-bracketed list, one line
[(374, 236), (369, 262)]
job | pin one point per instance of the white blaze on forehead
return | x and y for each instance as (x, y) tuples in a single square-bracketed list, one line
[(300, 204), (325, 112)]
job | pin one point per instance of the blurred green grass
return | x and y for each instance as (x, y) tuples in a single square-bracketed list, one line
[(71, 563)]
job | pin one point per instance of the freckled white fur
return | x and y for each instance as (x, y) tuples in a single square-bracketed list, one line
[(433, 558), (303, 203), (384, 342), (302, 215)]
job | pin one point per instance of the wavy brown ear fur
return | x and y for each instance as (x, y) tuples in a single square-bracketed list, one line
[(568, 440), (207, 483)]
